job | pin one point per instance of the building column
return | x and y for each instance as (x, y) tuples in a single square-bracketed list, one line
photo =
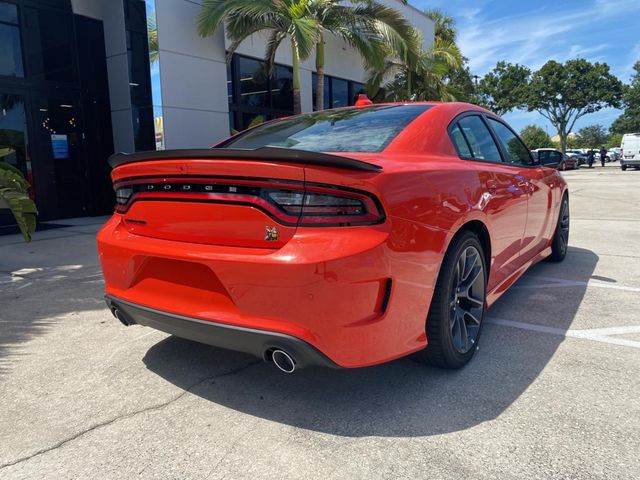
[(193, 78), (118, 72)]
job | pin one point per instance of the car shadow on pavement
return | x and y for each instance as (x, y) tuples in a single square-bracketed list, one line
[(401, 398)]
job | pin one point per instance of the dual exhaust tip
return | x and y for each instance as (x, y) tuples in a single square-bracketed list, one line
[(281, 359)]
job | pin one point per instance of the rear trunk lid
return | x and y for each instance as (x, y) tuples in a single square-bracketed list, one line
[(228, 197)]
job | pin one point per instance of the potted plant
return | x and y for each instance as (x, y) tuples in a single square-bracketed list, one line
[(14, 195)]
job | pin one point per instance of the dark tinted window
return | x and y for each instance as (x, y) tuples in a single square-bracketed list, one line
[(8, 13), (254, 85), (10, 47), (517, 152), (350, 130), (480, 140), (544, 157), (282, 88), (50, 41), (460, 143), (340, 93)]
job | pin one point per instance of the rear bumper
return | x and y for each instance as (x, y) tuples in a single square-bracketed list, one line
[(357, 295), (629, 162), (255, 342)]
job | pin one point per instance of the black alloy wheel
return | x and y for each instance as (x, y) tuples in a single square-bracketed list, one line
[(454, 321), (560, 242), (467, 300)]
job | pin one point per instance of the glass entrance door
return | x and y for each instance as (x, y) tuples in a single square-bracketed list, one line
[(60, 170)]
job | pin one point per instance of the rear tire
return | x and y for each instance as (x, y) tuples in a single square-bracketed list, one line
[(563, 167), (560, 241), (454, 321)]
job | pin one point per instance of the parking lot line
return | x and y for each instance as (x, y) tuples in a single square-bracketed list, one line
[(561, 282), (604, 335)]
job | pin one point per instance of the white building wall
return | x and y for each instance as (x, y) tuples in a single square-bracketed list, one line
[(193, 70)]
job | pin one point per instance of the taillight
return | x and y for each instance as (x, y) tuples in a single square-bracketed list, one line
[(289, 203), (123, 194), (321, 208)]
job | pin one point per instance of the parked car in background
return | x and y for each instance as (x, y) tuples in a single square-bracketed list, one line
[(578, 155), (552, 157), (630, 148), (342, 238), (614, 154)]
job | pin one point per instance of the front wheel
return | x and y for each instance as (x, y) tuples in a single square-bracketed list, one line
[(623, 167), (563, 167), (560, 241), (454, 321)]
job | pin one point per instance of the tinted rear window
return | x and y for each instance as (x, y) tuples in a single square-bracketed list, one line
[(368, 129)]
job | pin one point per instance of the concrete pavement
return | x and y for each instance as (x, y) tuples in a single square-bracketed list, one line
[(554, 391)]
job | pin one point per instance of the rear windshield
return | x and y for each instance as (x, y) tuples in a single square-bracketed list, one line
[(368, 129)]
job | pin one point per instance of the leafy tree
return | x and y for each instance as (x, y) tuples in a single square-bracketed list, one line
[(367, 26), (592, 136), (504, 88), (563, 93), (614, 140), (435, 74), (284, 19), (444, 25), (629, 121), (417, 77), (535, 137)]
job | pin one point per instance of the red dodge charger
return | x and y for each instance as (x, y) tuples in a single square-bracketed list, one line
[(340, 238)]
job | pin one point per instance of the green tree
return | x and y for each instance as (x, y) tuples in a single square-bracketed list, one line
[(629, 121), (367, 26), (614, 140), (592, 136), (504, 88), (435, 74), (535, 137), (444, 25), (563, 93), (282, 19), (417, 77), (458, 80)]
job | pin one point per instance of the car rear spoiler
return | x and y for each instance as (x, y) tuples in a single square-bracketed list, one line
[(287, 155)]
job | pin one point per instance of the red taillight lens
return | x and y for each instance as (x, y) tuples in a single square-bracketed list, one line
[(287, 203), (316, 208)]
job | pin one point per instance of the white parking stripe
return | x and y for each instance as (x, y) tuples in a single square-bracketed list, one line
[(595, 334), (560, 282)]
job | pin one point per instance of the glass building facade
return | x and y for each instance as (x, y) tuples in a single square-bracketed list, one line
[(54, 107)]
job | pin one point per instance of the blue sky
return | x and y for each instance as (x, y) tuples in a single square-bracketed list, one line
[(532, 32)]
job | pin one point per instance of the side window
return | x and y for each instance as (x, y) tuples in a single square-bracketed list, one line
[(544, 157), (460, 143), (517, 152), (480, 140), (556, 156)]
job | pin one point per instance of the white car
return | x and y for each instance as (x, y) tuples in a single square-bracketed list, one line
[(630, 147)]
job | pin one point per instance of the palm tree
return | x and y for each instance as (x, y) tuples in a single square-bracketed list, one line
[(444, 25), (280, 18), (420, 76), (365, 25)]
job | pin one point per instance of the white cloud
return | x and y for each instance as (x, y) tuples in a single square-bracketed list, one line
[(534, 37)]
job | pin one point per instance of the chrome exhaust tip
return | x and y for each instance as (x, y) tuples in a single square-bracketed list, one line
[(283, 361), (120, 316)]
